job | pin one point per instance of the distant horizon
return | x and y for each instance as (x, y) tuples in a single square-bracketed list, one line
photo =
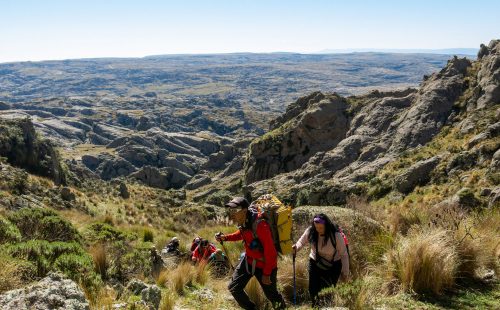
[(466, 51), (32, 30)]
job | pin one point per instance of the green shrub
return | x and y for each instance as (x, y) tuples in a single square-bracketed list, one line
[(80, 268), (67, 257), (102, 232), (136, 262), (44, 224), (147, 235), (43, 253), (8, 232), (219, 198)]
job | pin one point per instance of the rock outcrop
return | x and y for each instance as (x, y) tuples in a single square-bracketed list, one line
[(53, 292), (23, 148), (417, 174), (344, 141), (314, 124)]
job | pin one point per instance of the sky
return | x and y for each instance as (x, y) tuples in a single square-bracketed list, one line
[(55, 29)]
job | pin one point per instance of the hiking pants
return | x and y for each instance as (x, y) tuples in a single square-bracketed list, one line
[(320, 279), (240, 279)]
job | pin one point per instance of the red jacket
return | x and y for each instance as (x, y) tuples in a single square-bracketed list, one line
[(203, 254), (267, 259)]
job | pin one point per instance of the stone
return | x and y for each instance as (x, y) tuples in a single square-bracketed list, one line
[(67, 194), (124, 193), (485, 192), (53, 292), (494, 200), (466, 198), (417, 174), (198, 181), (135, 286), (462, 161), (151, 295)]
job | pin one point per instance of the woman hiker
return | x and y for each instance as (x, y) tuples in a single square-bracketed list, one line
[(328, 258), (261, 257)]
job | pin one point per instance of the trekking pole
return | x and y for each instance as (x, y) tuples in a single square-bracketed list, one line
[(225, 250), (294, 283)]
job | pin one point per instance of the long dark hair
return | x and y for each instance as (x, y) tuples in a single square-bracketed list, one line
[(330, 230)]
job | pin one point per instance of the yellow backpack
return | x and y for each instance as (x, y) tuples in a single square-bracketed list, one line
[(279, 218)]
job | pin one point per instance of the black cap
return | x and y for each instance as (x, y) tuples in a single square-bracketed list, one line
[(238, 202)]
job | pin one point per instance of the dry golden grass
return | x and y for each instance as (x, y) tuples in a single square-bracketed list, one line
[(168, 300), (98, 253), (255, 293), (425, 261), (182, 276), (285, 278), (10, 277), (104, 298)]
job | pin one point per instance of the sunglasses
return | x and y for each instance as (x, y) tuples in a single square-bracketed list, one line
[(232, 211)]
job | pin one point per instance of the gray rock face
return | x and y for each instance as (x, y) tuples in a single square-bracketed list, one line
[(417, 174), (22, 147), (51, 293), (431, 107), (488, 88), (321, 126), (357, 137), (198, 181), (161, 178), (116, 167)]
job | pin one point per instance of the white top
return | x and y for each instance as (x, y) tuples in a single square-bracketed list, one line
[(327, 251)]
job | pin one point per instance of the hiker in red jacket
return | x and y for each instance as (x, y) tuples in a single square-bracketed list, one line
[(260, 258), (203, 251)]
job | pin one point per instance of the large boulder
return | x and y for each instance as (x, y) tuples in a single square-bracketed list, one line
[(51, 293), (161, 178), (417, 174)]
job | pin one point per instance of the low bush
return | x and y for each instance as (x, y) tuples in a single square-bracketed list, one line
[(41, 223), (8, 232)]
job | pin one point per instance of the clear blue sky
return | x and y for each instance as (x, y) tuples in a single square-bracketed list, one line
[(54, 29)]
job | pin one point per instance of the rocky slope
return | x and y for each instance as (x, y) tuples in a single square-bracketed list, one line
[(331, 144)]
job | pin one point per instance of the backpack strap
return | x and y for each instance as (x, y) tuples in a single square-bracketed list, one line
[(334, 243)]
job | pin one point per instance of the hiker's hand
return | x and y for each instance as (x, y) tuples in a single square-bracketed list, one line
[(193, 259), (219, 237), (294, 248), (266, 280)]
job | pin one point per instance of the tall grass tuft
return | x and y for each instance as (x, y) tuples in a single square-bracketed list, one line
[(256, 294), (98, 253), (168, 299), (285, 278), (423, 262)]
